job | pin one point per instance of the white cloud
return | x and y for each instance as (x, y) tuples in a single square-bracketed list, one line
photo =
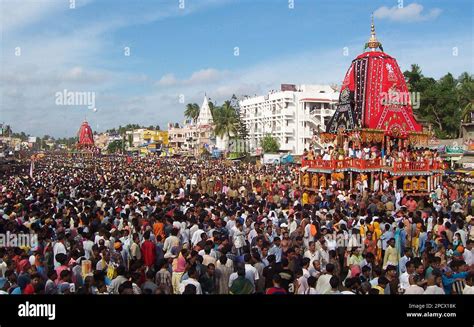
[(16, 14), (411, 13), (207, 75), (160, 105), (168, 80), (50, 63), (52, 60)]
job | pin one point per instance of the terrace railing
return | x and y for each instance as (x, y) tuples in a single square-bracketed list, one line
[(355, 163)]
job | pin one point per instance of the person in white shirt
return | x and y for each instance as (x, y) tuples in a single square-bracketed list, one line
[(403, 260), (376, 185), (87, 245), (468, 254), (292, 225), (230, 223), (405, 277), (386, 184), (207, 256), (197, 236), (311, 285), (353, 285), (3, 267), (171, 241), (181, 193), (331, 241), (434, 290), (194, 227), (302, 282), (469, 288), (307, 237), (398, 198), (192, 273), (184, 236), (251, 235), (58, 248), (323, 286), (238, 237), (251, 273), (188, 184), (429, 223), (414, 288), (311, 253), (322, 255)]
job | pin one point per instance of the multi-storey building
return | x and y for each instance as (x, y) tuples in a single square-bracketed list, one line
[(146, 141), (294, 115)]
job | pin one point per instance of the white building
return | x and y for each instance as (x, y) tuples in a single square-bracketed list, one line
[(205, 115), (192, 138), (136, 138), (294, 115)]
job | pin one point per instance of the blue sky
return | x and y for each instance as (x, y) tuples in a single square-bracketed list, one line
[(178, 53)]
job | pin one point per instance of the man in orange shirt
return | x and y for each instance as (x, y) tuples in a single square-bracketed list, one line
[(159, 228)]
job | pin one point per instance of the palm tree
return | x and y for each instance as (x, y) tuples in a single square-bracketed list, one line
[(243, 133), (465, 90), (192, 111), (7, 130), (465, 95), (413, 77), (226, 121), (212, 108)]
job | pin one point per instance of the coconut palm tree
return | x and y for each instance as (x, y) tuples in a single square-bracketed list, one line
[(226, 121), (6, 130), (212, 108), (465, 92), (192, 111)]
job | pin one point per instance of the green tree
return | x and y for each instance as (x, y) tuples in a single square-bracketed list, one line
[(115, 146), (192, 111), (6, 130), (447, 110), (269, 144), (22, 136), (212, 108), (413, 77), (234, 102), (226, 121), (465, 89), (444, 102)]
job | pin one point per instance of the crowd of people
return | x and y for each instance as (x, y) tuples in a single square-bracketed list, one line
[(112, 225)]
